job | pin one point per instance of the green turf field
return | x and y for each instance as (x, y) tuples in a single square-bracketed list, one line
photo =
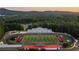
[(47, 39), (40, 38), (43, 38)]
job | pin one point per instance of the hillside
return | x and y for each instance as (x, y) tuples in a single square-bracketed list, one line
[(58, 21), (4, 11)]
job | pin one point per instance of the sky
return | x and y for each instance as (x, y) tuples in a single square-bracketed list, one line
[(41, 3), (70, 9), (54, 5)]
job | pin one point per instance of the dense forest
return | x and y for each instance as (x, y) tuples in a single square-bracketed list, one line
[(58, 21)]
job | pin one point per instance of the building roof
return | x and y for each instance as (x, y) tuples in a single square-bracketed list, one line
[(39, 30)]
